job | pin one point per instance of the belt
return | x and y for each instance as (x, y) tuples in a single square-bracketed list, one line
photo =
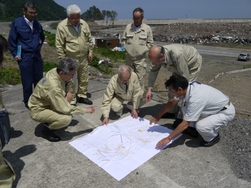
[(224, 108)]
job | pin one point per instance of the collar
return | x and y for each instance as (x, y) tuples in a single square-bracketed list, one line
[(27, 21)]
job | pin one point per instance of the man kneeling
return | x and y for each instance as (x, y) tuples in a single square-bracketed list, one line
[(53, 100), (122, 87), (197, 99)]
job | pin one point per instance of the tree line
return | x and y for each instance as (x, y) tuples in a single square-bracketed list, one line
[(50, 10), (93, 13)]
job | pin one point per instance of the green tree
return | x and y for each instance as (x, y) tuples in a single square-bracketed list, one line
[(93, 13), (113, 16), (47, 10)]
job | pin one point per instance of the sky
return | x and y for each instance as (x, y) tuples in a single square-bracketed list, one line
[(169, 9)]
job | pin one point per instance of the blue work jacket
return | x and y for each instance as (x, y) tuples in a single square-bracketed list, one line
[(30, 40)]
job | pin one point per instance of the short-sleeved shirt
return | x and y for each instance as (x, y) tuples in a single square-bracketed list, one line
[(202, 99)]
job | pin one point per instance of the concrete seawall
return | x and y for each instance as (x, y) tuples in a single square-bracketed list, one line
[(171, 21)]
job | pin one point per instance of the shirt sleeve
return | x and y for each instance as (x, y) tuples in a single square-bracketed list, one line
[(149, 41), (60, 42), (12, 40), (137, 93), (123, 38), (153, 74), (107, 99), (180, 63), (61, 105), (91, 46)]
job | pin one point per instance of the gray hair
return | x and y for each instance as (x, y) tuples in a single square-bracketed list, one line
[(124, 68), (66, 65), (73, 9), (29, 4), (139, 9)]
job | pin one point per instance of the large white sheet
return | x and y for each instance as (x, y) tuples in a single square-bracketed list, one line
[(122, 146)]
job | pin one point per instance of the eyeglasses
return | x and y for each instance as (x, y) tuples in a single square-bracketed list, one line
[(31, 13), (74, 19)]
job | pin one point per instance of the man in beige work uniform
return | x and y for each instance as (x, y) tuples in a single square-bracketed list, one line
[(180, 59), (50, 100), (137, 39), (122, 87), (73, 39)]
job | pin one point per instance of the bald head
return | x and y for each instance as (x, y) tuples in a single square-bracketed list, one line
[(124, 73), (156, 55)]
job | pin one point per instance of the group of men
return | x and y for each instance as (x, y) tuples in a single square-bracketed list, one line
[(53, 100)]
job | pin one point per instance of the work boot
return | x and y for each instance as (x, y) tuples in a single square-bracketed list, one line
[(85, 101), (212, 142), (49, 134)]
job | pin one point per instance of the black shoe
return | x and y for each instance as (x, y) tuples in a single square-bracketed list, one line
[(50, 135), (168, 115), (26, 106), (212, 142), (89, 95), (191, 131), (85, 101)]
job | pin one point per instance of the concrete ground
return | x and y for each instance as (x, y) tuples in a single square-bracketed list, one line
[(39, 163)]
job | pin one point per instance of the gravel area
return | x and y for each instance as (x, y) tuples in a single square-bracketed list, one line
[(236, 146)]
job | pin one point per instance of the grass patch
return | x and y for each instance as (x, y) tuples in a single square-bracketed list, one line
[(247, 66), (112, 55), (49, 65), (104, 68), (10, 75), (50, 38)]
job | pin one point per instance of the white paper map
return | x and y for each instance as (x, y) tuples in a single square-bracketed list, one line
[(122, 146)]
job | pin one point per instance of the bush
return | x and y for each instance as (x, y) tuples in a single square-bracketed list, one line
[(104, 68), (246, 66), (10, 75), (49, 65), (50, 37), (112, 55)]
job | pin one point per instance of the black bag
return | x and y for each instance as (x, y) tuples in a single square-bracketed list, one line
[(5, 128)]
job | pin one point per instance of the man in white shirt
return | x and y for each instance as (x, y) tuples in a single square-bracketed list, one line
[(197, 99)]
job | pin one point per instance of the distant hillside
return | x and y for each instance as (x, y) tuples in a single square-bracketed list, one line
[(47, 10)]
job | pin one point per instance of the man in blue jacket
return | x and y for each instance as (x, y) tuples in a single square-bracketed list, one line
[(26, 34)]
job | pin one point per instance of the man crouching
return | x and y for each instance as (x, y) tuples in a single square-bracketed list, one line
[(53, 100)]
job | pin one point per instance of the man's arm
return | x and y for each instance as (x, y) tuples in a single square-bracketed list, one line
[(91, 45), (149, 41), (168, 106), (181, 127), (123, 37), (106, 104), (12, 40), (60, 42), (154, 71)]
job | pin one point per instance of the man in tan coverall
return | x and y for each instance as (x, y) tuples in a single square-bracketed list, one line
[(122, 87), (180, 59), (137, 39), (73, 39), (50, 100)]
